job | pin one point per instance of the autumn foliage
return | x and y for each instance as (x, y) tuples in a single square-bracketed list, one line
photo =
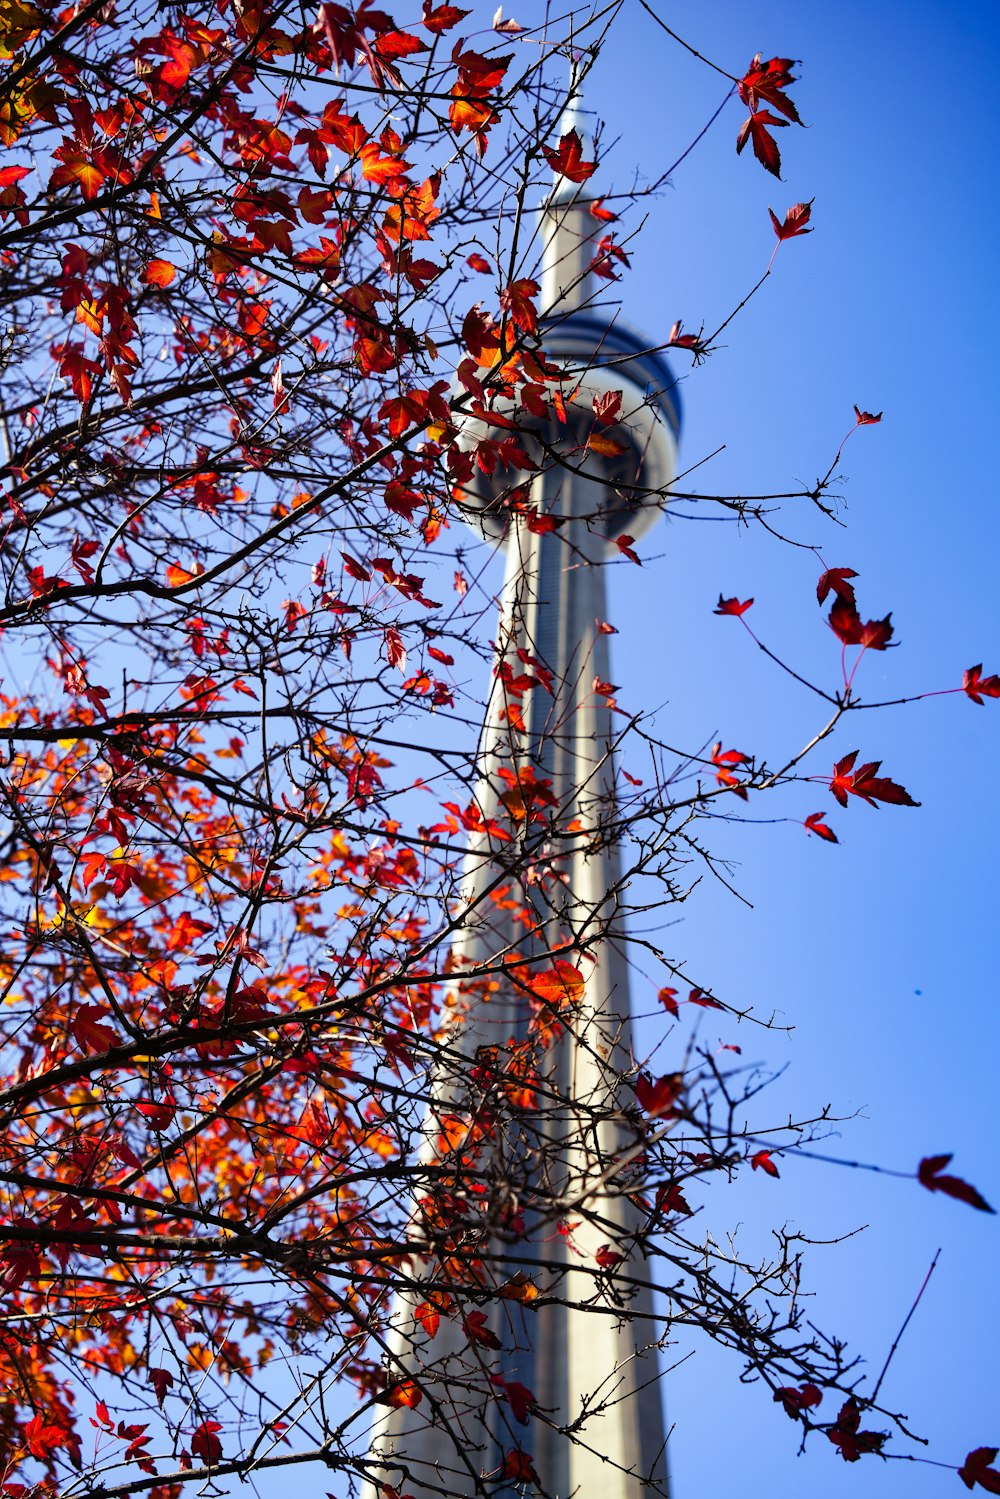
[(274, 326)]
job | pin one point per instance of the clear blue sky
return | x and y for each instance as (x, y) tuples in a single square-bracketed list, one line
[(881, 951)]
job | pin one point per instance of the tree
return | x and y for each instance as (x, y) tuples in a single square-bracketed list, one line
[(273, 313)]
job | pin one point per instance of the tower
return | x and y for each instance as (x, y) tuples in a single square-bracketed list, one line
[(562, 1394)]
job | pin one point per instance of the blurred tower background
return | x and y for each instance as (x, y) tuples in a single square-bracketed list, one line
[(587, 1368)]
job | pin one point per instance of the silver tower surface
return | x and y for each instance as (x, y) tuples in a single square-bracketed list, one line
[(597, 1430)]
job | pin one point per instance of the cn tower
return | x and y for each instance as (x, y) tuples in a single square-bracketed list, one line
[(561, 1398)]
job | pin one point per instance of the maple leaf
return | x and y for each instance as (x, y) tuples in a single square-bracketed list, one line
[(768, 81), (157, 1116), (607, 1257), (395, 650), (670, 1199), (20, 1262), (867, 784), (354, 569), (694, 342), (518, 1467), (976, 686), (517, 300), (429, 1318), (442, 17), (607, 407), (668, 999), (814, 824), (658, 1097), (41, 1438), (796, 220), (929, 1176), (761, 1161), (162, 1381), (765, 147), (477, 1330), (608, 447), (568, 160), (88, 1030), (845, 622), (851, 1442), (520, 1288), (732, 606), (835, 580), (978, 1468), (406, 1395), (520, 1399), (159, 273), (624, 543), (204, 1442), (866, 418), (795, 1401)]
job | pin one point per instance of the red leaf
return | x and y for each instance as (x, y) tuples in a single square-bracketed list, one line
[(607, 407), (478, 1332), (851, 1442), (405, 1395), (624, 543), (429, 1318), (796, 219), (88, 1030), (162, 1381), (354, 569), (479, 263), (42, 1439), (607, 1257), (658, 1097), (442, 17), (395, 650), (157, 1116), (768, 81), (835, 580), (795, 1401), (977, 686), (765, 147), (761, 1161), (866, 418), (568, 160), (977, 1469), (814, 824), (732, 606), (159, 273), (520, 1399), (518, 1467), (668, 1000), (278, 387), (929, 1176), (516, 300), (20, 1263), (845, 622), (204, 1442), (867, 784)]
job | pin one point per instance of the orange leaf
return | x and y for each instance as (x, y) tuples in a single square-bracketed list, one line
[(159, 273)]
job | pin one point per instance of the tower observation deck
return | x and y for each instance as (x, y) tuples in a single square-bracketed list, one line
[(595, 1427)]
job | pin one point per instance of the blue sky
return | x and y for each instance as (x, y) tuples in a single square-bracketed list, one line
[(878, 951)]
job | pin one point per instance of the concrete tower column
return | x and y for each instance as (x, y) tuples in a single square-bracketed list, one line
[(589, 1369)]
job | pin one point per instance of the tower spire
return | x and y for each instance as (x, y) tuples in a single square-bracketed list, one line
[(569, 229)]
